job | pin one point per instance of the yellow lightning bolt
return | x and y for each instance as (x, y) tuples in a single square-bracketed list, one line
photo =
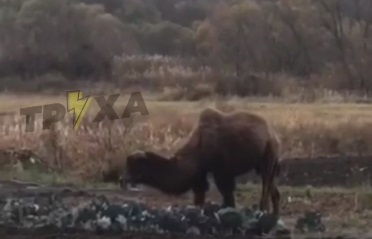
[(79, 105)]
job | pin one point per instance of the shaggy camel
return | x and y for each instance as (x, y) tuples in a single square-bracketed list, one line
[(225, 145)]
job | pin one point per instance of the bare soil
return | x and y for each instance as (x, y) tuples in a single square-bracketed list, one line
[(346, 171)]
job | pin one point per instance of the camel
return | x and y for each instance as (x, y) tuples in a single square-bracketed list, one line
[(225, 145)]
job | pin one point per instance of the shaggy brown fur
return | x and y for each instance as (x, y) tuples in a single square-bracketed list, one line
[(225, 145)]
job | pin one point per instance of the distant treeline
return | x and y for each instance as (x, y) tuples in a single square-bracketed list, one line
[(327, 43)]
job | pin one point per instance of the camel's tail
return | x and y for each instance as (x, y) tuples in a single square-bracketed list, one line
[(270, 162)]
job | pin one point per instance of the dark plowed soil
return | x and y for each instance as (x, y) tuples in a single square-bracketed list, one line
[(324, 171)]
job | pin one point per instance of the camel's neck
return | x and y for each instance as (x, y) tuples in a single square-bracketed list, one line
[(175, 177)]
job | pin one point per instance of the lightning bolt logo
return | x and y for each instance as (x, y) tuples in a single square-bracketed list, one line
[(78, 105)]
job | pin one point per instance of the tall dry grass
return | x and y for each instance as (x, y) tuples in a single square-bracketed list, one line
[(98, 151)]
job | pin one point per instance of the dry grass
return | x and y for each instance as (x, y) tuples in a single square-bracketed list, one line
[(305, 130)]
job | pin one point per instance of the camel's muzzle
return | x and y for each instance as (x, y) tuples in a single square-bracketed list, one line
[(127, 181)]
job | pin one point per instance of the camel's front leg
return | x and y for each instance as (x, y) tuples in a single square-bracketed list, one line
[(226, 186), (200, 188)]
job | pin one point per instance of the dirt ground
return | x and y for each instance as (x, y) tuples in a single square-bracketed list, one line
[(344, 212), (347, 171)]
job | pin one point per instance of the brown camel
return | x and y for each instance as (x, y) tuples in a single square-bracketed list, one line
[(225, 145)]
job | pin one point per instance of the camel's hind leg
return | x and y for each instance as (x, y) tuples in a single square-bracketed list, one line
[(268, 170), (270, 190), (275, 199), (275, 194), (265, 190)]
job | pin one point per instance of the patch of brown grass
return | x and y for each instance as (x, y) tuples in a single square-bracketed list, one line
[(96, 150)]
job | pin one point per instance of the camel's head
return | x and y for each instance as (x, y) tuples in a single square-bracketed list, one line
[(140, 168)]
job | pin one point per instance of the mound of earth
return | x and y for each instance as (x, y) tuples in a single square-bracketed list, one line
[(101, 216)]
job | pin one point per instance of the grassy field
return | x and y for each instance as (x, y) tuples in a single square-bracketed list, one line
[(305, 130), (86, 157)]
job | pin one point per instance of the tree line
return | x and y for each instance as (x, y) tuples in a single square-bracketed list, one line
[(325, 42)]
